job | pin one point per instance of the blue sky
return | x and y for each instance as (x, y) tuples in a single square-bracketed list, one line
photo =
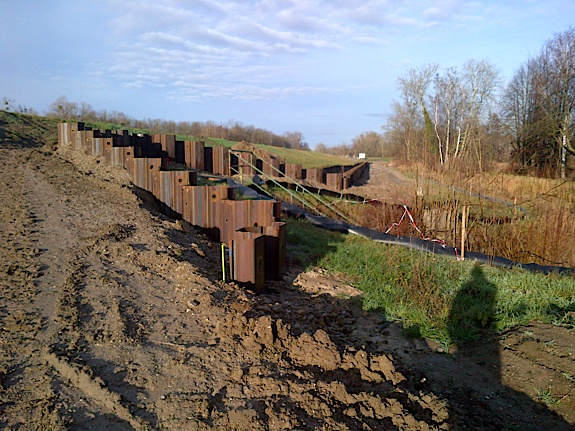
[(327, 69)]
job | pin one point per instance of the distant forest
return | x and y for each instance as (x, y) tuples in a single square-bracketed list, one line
[(231, 131)]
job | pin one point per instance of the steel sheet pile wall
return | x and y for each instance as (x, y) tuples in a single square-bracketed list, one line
[(293, 171), (194, 154), (334, 181), (220, 161), (351, 176), (335, 178), (251, 228)]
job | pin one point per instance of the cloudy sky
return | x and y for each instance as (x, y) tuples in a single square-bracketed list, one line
[(325, 68)]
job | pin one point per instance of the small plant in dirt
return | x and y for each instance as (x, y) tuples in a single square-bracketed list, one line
[(546, 396)]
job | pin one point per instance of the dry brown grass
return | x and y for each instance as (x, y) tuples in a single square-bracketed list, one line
[(530, 219)]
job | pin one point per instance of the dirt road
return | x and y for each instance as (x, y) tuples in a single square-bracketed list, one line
[(112, 316)]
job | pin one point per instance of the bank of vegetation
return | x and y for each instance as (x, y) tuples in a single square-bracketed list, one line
[(436, 297)]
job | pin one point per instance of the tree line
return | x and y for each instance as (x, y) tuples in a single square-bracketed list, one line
[(464, 118), (231, 131)]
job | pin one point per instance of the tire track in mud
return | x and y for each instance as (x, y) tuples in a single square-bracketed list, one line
[(39, 212), (27, 398)]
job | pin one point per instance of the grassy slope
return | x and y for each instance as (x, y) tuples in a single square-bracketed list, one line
[(434, 296), (18, 130)]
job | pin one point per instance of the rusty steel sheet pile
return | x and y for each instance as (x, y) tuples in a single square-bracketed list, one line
[(248, 251), (250, 228), (334, 180), (293, 171), (194, 154), (316, 175)]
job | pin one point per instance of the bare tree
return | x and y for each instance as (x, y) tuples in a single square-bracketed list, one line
[(539, 107), (370, 143), (296, 141), (62, 108), (462, 103), (558, 90), (410, 114)]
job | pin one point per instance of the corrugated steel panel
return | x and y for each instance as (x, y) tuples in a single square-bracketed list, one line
[(182, 178), (246, 161), (271, 167), (78, 140), (202, 205), (247, 214), (88, 138), (140, 173), (97, 147), (64, 135), (170, 188), (235, 215), (124, 138), (154, 165), (166, 183), (220, 161), (248, 256), (293, 171), (194, 154), (129, 154), (180, 152), (275, 249), (334, 181), (143, 169), (167, 143), (351, 176), (114, 156), (315, 175)]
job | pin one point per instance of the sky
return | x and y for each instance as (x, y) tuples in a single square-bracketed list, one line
[(326, 69)]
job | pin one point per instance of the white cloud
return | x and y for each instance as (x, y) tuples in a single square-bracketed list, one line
[(265, 48)]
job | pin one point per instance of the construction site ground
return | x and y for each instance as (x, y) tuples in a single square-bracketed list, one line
[(113, 316)]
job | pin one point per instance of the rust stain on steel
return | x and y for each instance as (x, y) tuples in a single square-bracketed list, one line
[(334, 180), (182, 178), (220, 161), (316, 175), (293, 171), (194, 154), (248, 252), (167, 143), (271, 167), (129, 153)]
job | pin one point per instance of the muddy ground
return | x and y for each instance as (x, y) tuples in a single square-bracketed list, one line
[(113, 316)]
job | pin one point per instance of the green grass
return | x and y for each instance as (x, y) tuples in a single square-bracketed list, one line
[(436, 297), (308, 159), (27, 130)]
